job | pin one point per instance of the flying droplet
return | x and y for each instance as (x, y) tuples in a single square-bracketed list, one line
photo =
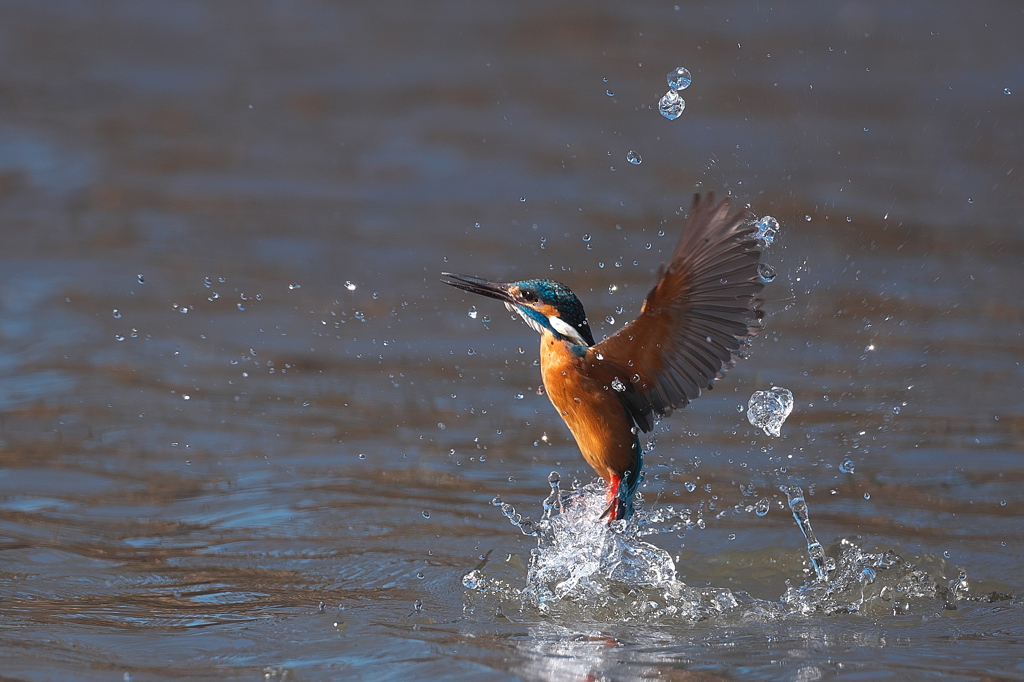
[(671, 105), (766, 272), (293, 286), (117, 314), (609, 319), (634, 158), (472, 312), (767, 410), (766, 229), (142, 280), (679, 78), (847, 466), (618, 385), (426, 514), (350, 286)]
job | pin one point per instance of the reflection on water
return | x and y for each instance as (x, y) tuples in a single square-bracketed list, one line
[(245, 431)]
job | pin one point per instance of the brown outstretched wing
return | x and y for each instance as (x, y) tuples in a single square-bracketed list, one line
[(703, 307)]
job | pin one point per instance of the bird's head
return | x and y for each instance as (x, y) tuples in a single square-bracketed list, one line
[(546, 305)]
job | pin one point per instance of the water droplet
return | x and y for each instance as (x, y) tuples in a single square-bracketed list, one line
[(142, 280), (586, 237), (671, 105), (207, 282), (472, 312), (690, 486), (118, 337), (634, 158), (519, 396), (117, 314), (762, 506), (362, 455), (867, 496), (293, 285), (522, 198), (420, 576), (768, 410), (350, 286), (895, 409), (731, 536), (618, 385), (426, 513), (970, 200), (609, 93), (612, 288), (847, 466), (807, 218), (679, 78), (609, 319), (1006, 91), (766, 272), (766, 229)]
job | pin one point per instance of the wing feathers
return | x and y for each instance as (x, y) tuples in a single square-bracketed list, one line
[(703, 307)]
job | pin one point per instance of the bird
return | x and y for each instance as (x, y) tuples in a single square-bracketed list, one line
[(704, 308)]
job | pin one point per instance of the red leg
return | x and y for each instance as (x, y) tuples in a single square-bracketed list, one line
[(612, 497)]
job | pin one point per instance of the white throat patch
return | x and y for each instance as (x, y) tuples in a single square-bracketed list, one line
[(567, 330)]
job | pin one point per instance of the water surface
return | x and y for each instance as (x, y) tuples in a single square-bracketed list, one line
[(246, 433)]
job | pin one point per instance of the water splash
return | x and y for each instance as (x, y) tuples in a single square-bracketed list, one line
[(583, 570), (821, 563), (768, 410)]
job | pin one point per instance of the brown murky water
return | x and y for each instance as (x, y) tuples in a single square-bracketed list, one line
[(246, 433)]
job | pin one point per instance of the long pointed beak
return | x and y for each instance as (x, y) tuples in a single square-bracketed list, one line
[(478, 285)]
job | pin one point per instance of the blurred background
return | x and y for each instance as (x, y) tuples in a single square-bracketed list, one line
[(244, 430)]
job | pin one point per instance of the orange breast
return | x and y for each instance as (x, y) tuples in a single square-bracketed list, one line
[(598, 421)]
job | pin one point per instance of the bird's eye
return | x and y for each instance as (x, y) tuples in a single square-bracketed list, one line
[(529, 296)]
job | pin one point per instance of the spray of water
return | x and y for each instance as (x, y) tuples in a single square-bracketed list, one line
[(585, 570)]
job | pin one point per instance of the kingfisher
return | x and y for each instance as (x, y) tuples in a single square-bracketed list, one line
[(703, 309)]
